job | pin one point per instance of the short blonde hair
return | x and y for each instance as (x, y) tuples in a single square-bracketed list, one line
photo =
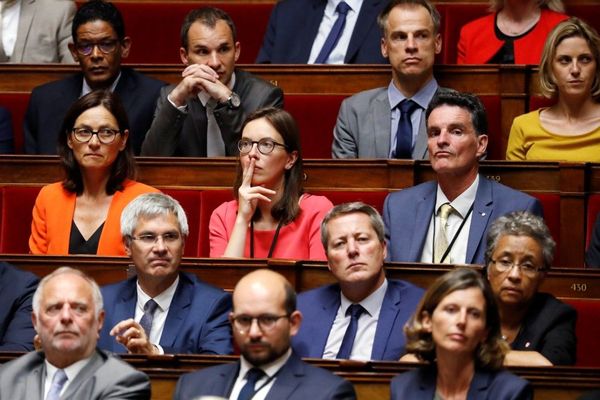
[(554, 5), (572, 27)]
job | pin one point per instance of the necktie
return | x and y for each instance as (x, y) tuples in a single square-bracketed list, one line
[(404, 134), (58, 381), (355, 310), (335, 34), (441, 238), (146, 321), (252, 377)]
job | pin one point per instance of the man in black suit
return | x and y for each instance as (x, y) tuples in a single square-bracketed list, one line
[(203, 114), (264, 318), (99, 45)]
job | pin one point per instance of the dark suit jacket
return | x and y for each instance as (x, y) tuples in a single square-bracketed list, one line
[(407, 215), (296, 380), (420, 383), (6, 132), (175, 133), (16, 292), (49, 104), (104, 377), (196, 322), (549, 328), (320, 306), (294, 24)]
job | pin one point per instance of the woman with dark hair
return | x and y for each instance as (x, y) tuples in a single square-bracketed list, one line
[(569, 130), (80, 215), (271, 216), (456, 330)]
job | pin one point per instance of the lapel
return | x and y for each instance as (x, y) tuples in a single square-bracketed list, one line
[(482, 210), (288, 379), (381, 121), (329, 309), (25, 24), (126, 89), (427, 377), (424, 211), (75, 388), (178, 311), (479, 385), (308, 32), (387, 317), (420, 149), (33, 385), (367, 17), (124, 309)]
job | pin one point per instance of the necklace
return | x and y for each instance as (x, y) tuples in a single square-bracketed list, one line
[(515, 28)]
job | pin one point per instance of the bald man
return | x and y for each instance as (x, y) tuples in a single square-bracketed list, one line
[(264, 318)]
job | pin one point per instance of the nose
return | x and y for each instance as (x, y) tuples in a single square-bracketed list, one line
[(94, 141), (159, 245), (96, 52), (213, 60), (254, 151), (254, 331), (575, 67), (352, 248), (443, 138), (514, 274), (65, 314), (411, 43), (462, 319)]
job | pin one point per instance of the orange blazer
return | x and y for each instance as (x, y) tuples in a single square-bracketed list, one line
[(53, 215)]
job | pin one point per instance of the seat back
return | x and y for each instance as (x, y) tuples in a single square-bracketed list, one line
[(587, 331), (17, 207)]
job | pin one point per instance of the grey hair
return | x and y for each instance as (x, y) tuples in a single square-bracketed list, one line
[(96, 294), (554, 5), (521, 223), (151, 205), (351, 208)]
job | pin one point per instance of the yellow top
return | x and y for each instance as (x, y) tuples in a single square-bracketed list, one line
[(528, 140)]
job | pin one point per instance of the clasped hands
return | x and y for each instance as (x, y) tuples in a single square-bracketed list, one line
[(198, 78)]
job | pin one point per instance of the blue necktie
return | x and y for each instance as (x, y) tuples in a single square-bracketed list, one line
[(148, 317), (335, 34), (58, 381), (252, 376), (355, 310), (404, 134)]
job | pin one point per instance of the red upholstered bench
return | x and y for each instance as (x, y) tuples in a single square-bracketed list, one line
[(588, 331), (593, 208), (211, 199), (496, 141), (374, 199), (454, 16), (551, 207), (17, 205), (190, 200), (17, 104)]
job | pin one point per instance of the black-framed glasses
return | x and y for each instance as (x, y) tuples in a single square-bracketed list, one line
[(505, 265), (105, 135), (265, 322), (265, 145), (149, 239), (105, 46)]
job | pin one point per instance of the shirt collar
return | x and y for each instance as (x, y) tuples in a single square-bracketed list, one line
[(372, 303), (354, 5), (163, 300), (269, 369), (85, 88), (205, 97), (462, 203), (422, 97), (71, 371)]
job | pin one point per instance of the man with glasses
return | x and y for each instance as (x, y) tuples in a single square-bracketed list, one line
[(202, 115), (264, 318), (162, 310), (99, 45)]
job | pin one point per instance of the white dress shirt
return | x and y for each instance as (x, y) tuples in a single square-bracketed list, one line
[(85, 88), (462, 204), (338, 54), (71, 371), (365, 332), (160, 314)]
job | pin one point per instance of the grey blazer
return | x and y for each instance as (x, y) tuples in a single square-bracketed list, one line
[(363, 128), (44, 32), (104, 377)]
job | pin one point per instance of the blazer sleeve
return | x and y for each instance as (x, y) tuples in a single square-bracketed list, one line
[(19, 332), (63, 35), (216, 333), (266, 50), (560, 343), (344, 134)]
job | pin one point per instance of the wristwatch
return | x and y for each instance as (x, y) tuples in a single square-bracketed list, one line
[(233, 101)]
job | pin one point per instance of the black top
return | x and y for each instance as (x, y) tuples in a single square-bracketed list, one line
[(506, 54), (77, 243)]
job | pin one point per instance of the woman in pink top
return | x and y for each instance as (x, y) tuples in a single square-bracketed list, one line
[(271, 217)]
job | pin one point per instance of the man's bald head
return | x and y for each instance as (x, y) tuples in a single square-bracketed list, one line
[(267, 281)]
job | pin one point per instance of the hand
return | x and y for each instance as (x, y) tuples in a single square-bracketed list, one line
[(248, 195), (198, 78), (131, 335)]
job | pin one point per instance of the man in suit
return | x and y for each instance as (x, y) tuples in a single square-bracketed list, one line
[(264, 318), (67, 315), (298, 31), (16, 291), (202, 116), (389, 122), (362, 315), (99, 45), (162, 310), (446, 220), (36, 31)]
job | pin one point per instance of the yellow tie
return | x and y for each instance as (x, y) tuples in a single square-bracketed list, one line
[(441, 238)]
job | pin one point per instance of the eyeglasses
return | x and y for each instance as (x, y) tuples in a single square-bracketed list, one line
[(526, 268), (150, 239), (106, 47), (105, 135), (265, 322), (265, 145)]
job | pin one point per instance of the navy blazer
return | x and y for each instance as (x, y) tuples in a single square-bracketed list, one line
[(407, 215), (6, 132), (197, 321), (296, 380), (294, 24), (49, 103), (16, 292), (319, 307), (420, 383)]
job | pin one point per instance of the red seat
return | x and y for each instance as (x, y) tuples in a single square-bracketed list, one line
[(551, 207), (454, 16), (587, 331), (374, 199), (17, 206), (190, 200), (593, 208), (17, 104), (496, 145), (211, 199)]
